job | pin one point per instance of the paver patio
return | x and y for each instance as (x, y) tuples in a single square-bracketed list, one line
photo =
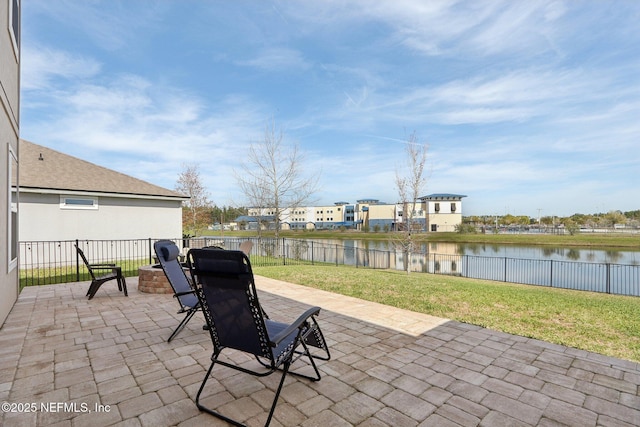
[(106, 362)]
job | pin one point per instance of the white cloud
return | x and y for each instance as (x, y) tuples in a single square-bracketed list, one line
[(516, 99), (42, 65), (277, 59)]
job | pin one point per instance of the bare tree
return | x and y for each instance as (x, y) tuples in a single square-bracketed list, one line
[(410, 182), (273, 176), (196, 210)]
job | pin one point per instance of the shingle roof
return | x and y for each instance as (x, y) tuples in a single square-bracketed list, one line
[(46, 169)]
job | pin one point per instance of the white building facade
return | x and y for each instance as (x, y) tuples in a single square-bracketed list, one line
[(433, 213)]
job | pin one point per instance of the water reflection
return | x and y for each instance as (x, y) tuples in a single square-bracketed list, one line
[(626, 256)]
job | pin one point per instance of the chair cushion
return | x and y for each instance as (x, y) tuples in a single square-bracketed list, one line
[(170, 252)]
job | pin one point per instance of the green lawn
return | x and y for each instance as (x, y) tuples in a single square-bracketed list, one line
[(606, 324)]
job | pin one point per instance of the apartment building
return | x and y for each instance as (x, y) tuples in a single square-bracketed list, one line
[(444, 211), (433, 213)]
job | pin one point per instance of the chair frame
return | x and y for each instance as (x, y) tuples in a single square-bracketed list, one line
[(270, 334), (115, 272), (189, 311)]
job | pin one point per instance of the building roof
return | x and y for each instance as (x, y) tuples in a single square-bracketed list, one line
[(443, 196), (43, 169)]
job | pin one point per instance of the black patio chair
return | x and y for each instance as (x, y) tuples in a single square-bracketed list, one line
[(113, 272), (168, 255), (225, 286)]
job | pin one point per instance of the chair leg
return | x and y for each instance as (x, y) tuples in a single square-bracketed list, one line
[(95, 285), (312, 362), (186, 319), (275, 399), (201, 407), (124, 286), (208, 410)]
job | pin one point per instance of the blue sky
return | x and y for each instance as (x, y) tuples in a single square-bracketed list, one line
[(528, 107)]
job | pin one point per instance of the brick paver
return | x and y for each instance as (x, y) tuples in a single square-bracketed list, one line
[(106, 362)]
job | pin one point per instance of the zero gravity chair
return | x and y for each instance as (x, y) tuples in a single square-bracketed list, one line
[(225, 286), (168, 253)]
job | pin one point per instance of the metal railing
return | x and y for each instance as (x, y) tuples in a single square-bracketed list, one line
[(49, 262)]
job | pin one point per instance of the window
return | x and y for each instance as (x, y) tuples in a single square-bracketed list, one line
[(67, 202), (436, 206), (434, 227), (453, 207), (14, 25), (12, 217)]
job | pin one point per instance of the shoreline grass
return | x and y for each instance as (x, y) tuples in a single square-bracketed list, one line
[(601, 323)]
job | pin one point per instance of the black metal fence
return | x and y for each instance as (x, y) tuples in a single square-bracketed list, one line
[(52, 262)]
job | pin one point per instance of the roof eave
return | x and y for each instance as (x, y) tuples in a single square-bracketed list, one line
[(39, 190)]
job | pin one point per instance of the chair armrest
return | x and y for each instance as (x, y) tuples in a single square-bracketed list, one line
[(106, 267), (300, 321)]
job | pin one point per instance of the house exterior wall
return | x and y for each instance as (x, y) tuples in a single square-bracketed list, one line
[(418, 213), (42, 218), (381, 216), (9, 152), (326, 216), (443, 222), (444, 215), (301, 218)]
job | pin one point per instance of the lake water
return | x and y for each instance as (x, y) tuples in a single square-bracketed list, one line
[(598, 270), (611, 256), (610, 271)]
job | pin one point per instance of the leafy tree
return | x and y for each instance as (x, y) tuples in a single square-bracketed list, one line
[(614, 217), (571, 226)]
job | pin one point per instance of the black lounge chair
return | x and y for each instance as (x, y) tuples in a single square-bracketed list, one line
[(225, 286), (168, 256), (97, 279)]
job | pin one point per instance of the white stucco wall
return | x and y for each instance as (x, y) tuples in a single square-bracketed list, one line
[(42, 219)]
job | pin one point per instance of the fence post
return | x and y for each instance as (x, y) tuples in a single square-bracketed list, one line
[(551, 274), (77, 262), (505, 269), (150, 256), (465, 272), (608, 277), (312, 263)]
